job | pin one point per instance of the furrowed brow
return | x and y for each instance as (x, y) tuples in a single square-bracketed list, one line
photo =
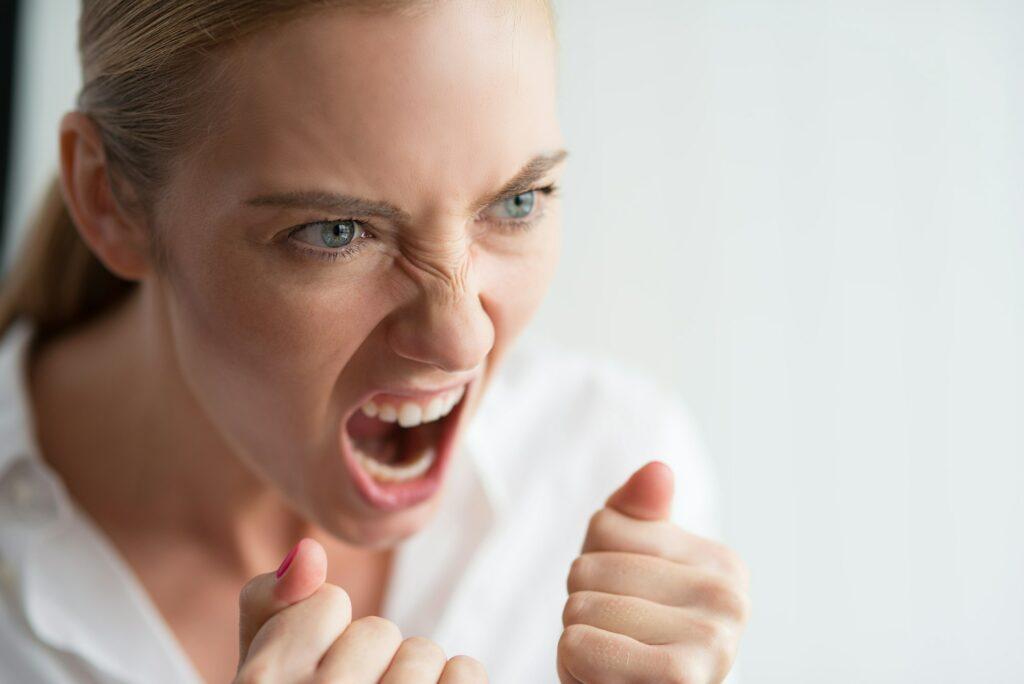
[(525, 178), (348, 205), (338, 204)]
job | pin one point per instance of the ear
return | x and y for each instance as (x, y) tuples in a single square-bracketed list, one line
[(117, 237)]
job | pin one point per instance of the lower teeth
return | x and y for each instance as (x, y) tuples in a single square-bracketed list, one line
[(397, 473)]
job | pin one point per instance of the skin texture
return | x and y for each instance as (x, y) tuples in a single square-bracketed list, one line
[(428, 303), (296, 628), (649, 601), (227, 374)]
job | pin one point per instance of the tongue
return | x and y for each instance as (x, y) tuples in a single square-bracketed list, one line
[(361, 426)]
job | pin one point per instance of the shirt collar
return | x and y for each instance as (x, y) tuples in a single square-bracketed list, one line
[(57, 617), (17, 430), (75, 591), (480, 456)]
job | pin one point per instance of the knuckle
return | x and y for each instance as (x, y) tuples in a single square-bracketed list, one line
[(578, 573), (575, 608), (424, 647), (572, 640), (707, 655), (723, 596), (379, 628), (334, 598), (468, 669), (731, 563), (713, 636), (677, 669)]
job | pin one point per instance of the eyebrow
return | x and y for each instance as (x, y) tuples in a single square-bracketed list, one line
[(342, 204), (525, 178)]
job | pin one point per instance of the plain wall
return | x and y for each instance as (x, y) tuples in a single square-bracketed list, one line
[(807, 217)]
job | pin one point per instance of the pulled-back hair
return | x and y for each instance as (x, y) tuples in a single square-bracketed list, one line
[(146, 66)]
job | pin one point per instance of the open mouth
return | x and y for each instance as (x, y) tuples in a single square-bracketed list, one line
[(396, 447)]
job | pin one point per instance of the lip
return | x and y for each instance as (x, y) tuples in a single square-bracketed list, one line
[(399, 495), (413, 392)]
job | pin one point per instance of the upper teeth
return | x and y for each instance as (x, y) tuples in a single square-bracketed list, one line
[(410, 413)]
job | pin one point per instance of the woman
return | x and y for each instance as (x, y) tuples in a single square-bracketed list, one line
[(275, 301)]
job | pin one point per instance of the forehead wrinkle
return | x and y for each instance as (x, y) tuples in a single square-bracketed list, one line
[(404, 84)]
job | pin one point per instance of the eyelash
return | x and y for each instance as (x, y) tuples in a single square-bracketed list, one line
[(550, 190), (346, 253)]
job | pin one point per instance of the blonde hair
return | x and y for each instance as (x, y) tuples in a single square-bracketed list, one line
[(145, 65)]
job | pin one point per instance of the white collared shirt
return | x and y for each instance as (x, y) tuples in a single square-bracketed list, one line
[(555, 434)]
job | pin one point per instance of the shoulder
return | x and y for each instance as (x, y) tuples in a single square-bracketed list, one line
[(582, 422)]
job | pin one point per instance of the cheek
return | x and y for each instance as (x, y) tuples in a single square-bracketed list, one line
[(513, 284), (263, 342)]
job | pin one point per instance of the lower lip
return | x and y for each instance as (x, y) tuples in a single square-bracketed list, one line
[(393, 496)]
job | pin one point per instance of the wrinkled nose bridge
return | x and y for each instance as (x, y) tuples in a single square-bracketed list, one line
[(440, 266), (446, 325)]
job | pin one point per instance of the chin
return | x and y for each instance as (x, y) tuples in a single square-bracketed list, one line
[(382, 531)]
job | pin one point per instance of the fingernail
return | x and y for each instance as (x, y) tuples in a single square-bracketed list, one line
[(283, 568)]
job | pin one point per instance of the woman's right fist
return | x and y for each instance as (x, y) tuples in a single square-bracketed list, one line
[(295, 628)]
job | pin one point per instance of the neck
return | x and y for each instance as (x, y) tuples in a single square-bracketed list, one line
[(117, 421)]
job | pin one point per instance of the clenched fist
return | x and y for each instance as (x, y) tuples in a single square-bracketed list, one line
[(294, 628), (648, 601)]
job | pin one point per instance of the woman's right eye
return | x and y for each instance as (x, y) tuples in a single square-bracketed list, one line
[(329, 234), (330, 240)]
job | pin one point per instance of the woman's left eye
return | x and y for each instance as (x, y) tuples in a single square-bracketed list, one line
[(518, 207), (522, 209)]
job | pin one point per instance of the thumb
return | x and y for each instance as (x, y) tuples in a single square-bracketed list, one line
[(300, 574), (647, 494)]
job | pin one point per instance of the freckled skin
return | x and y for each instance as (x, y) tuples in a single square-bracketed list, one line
[(429, 113)]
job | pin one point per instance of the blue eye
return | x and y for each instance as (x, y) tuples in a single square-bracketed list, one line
[(520, 206), (330, 240), (331, 234), (523, 210), (338, 233)]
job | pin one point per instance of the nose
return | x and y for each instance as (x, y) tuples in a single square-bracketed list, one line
[(445, 327)]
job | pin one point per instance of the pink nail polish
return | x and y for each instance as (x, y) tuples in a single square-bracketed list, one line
[(283, 568)]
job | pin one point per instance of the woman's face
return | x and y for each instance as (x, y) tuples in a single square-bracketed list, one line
[(345, 233)]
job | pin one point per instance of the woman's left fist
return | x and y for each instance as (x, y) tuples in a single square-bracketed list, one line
[(648, 601)]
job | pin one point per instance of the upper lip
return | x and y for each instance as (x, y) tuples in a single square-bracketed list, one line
[(410, 391)]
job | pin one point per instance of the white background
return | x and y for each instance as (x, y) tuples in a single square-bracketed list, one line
[(808, 218)]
